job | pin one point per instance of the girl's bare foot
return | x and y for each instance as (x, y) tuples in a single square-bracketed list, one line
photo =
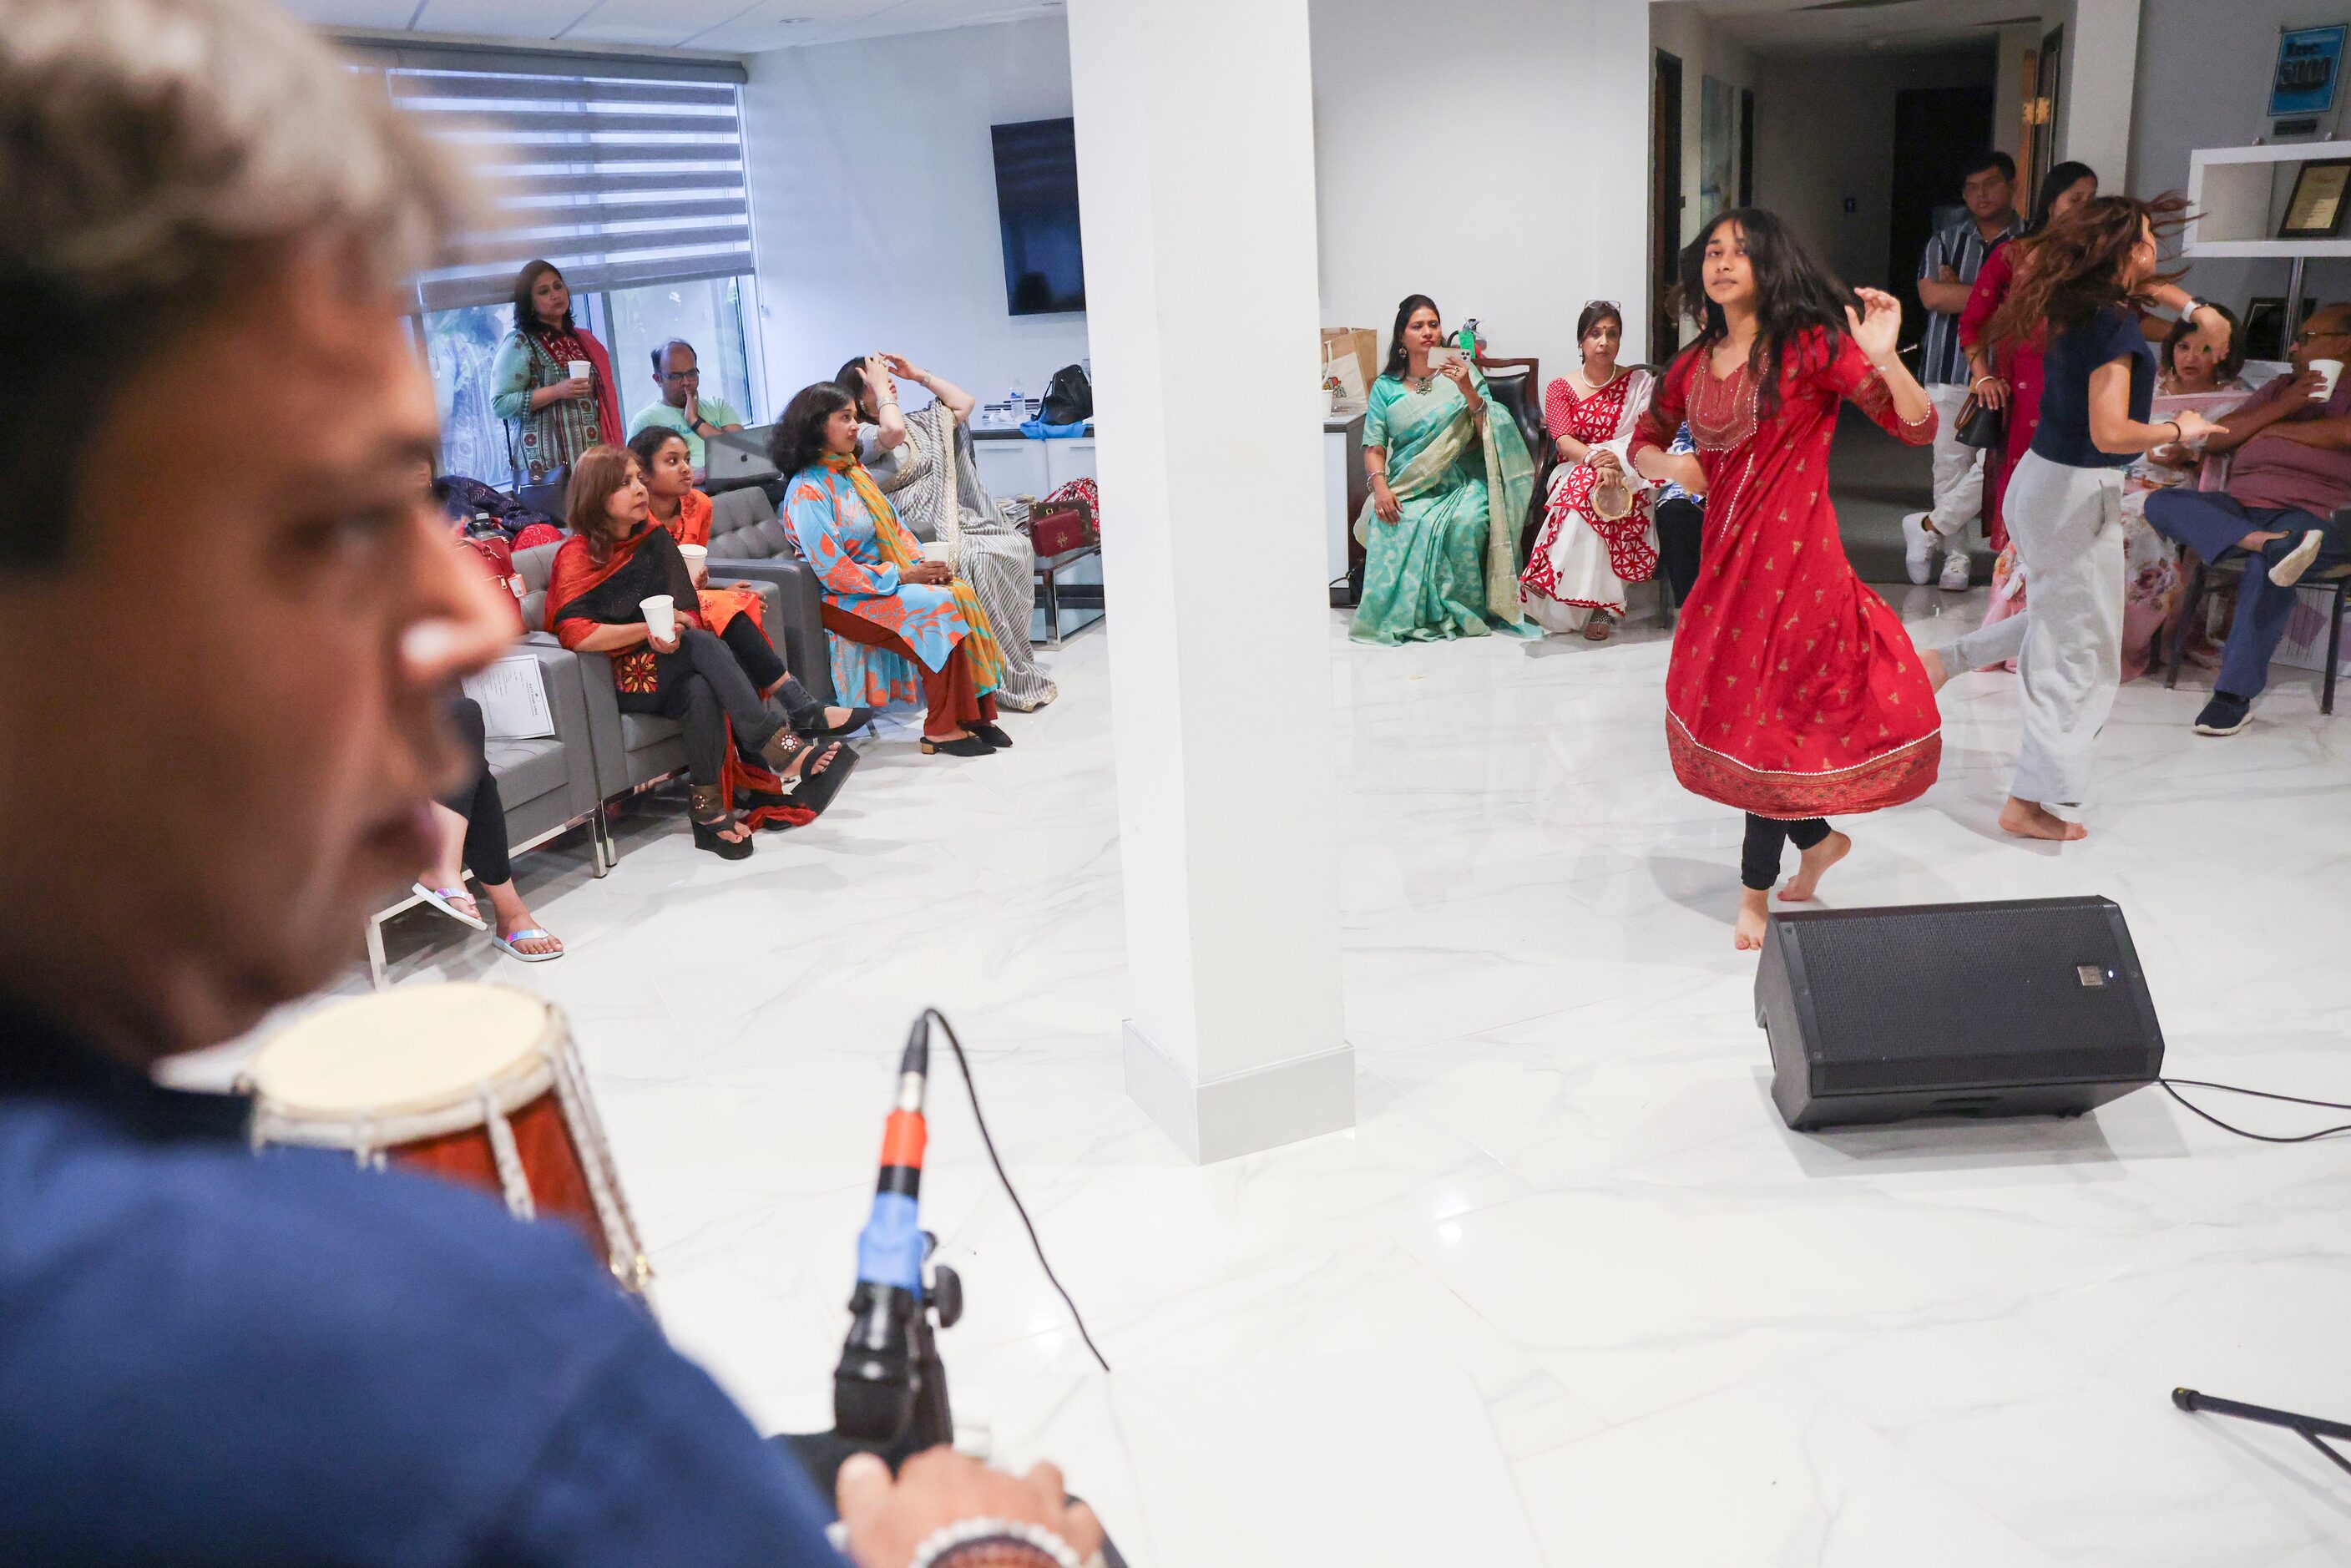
[(1937, 676), (1814, 863), (2032, 819), (1747, 933)]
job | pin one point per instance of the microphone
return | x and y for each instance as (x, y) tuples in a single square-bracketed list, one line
[(882, 1371)]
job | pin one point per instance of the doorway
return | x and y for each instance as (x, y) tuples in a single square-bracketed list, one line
[(1937, 129), (1664, 204)]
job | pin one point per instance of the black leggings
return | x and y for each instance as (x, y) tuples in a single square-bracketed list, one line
[(1758, 860), (711, 680), (1679, 524), (478, 802)]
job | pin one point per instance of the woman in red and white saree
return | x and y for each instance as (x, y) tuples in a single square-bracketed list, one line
[(1597, 533), (1793, 693)]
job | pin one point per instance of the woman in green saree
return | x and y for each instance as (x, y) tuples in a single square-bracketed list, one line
[(1449, 486)]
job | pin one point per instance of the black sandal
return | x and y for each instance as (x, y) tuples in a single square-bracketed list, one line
[(858, 717), (993, 734), (825, 780), (965, 746), (784, 749), (710, 819)]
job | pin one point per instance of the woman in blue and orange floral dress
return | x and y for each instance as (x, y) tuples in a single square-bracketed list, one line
[(895, 618)]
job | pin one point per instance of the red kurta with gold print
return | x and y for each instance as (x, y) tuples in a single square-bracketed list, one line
[(1794, 690)]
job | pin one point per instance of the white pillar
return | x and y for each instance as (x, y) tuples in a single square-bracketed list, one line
[(1196, 177), (2100, 69)]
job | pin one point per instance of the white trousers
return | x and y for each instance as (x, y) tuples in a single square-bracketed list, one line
[(2067, 526), (1958, 467)]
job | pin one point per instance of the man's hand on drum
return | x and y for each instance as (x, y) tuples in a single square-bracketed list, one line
[(887, 1519)]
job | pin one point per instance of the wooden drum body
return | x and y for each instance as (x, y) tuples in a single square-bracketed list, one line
[(476, 1083)]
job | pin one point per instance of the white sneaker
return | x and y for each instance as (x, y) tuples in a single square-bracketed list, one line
[(2287, 569), (1956, 567), (1919, 540)]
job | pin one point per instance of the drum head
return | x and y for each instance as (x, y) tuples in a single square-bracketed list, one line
[(414, 1049)]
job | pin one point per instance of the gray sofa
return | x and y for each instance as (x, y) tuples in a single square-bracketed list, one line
[(548, 785), (747, 542), (628, 751)]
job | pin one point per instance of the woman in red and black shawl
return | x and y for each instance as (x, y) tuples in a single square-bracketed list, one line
[(616, 558)]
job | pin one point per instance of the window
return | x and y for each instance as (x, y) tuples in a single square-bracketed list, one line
[(707, 314), (627, 174)]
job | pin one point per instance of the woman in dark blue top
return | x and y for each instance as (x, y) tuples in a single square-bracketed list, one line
[(2082, 276)]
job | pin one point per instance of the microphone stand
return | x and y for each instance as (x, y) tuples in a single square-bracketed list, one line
[(2312, 1429), (932, 1421)]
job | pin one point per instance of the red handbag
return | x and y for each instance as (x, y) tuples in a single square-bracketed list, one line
[(1065, 521)]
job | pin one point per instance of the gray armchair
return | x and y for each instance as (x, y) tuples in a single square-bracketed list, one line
[(630, 751), (748, 541), (548, 785)]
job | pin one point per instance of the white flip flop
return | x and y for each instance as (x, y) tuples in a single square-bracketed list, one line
[(439, 897), (506, 945)]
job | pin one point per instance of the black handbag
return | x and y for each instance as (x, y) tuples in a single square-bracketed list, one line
[(1980, 425), (1069, 397)]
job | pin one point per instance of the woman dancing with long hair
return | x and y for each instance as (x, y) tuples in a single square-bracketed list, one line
[(2078, 284), (1793, 693)]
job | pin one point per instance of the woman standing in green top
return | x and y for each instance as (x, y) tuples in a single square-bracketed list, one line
[(552, 416), (1450, 480)]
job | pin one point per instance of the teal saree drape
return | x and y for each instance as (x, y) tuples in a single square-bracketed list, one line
[(1448, 567)]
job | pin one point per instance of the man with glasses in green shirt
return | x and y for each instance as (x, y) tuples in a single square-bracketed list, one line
[(682, 408)]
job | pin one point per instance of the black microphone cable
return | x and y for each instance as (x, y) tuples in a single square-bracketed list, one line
[(2171, 1087), (963, 1064)]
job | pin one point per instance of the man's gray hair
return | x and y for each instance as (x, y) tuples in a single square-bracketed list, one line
[(155, 155)]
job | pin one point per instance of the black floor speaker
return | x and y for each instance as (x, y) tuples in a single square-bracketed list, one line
[(2031, 1006)]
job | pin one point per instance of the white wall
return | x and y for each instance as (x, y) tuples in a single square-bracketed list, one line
[(1825, 132), (874, 193), (2203, 81), (1429, 180), (2100, 47), (1440, 166)]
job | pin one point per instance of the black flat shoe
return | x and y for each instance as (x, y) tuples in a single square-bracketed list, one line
[(992, 734), (858, 718), (970, 745)]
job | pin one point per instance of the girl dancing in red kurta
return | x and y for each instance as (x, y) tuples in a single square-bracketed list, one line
[(1793, 693)]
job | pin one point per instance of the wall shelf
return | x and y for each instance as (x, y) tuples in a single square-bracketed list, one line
[(2231, 191)]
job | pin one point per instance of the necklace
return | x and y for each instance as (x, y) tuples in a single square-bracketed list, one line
[(1585, 376)]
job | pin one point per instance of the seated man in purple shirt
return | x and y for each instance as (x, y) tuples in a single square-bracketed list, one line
[(206, 1357), (2289, 471)]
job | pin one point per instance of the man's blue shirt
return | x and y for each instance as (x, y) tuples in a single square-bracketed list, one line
[(212, 1357)]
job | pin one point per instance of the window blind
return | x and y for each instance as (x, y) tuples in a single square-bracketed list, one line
[(619, 176)]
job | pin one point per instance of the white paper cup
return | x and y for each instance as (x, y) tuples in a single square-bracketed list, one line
[(660, 616), (2332, 371), (696, 562), (581, 370)]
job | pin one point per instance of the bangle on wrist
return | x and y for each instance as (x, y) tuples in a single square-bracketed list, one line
[(970, 1539)]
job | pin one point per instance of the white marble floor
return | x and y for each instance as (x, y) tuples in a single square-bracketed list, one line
[(1686, 1335)]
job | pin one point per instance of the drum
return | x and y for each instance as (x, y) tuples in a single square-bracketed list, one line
[(475, 1083)]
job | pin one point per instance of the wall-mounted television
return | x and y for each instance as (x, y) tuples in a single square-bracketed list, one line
[(1037, 206)]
